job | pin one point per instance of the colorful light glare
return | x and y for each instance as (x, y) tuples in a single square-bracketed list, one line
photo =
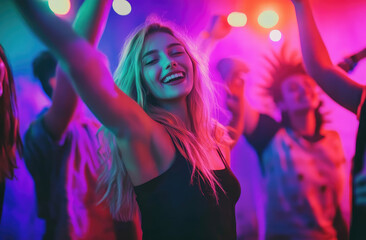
[(121, 7), (59, 7), (275, 35), (268, 19), (237, 19)]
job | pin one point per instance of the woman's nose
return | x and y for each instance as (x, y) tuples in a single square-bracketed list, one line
[(170, 63)]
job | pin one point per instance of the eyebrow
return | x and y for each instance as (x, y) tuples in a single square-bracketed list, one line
[(154, 51)]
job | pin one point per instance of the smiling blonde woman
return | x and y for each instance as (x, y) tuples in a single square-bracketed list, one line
[(162, 143)]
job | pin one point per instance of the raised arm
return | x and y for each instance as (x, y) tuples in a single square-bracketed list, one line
[(235, 104), (89, 23), (87, 69), (217, 29), (318, 64), (91, 19), (244, 117)]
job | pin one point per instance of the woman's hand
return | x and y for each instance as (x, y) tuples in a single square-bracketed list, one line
[(218, 28), (235, 94)]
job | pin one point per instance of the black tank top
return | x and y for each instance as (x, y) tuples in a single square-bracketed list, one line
[(173, 208)]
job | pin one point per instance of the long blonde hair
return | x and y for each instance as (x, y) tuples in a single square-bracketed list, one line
[(193, 144)]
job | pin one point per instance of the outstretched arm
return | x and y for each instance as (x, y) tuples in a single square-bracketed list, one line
[(87, 69), (318, 64), (89, 23)]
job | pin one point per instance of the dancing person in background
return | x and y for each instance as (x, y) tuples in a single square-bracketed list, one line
[(61, 150), (303, 164), (164, 147), (10, 141), (345, 92)]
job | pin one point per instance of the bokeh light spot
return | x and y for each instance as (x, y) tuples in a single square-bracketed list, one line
[(275, 35), (268, 19), (121, 7), (237, 19), (59, 7)]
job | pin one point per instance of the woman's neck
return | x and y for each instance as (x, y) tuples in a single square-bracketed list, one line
[(179, 109)]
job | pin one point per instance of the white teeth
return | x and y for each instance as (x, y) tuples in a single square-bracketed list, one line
[(173, 76)]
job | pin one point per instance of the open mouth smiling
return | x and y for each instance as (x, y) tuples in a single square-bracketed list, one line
[(172, 77)]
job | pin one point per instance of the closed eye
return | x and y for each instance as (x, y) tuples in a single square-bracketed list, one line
[(150, 62), (176, 50), (176, 53)]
